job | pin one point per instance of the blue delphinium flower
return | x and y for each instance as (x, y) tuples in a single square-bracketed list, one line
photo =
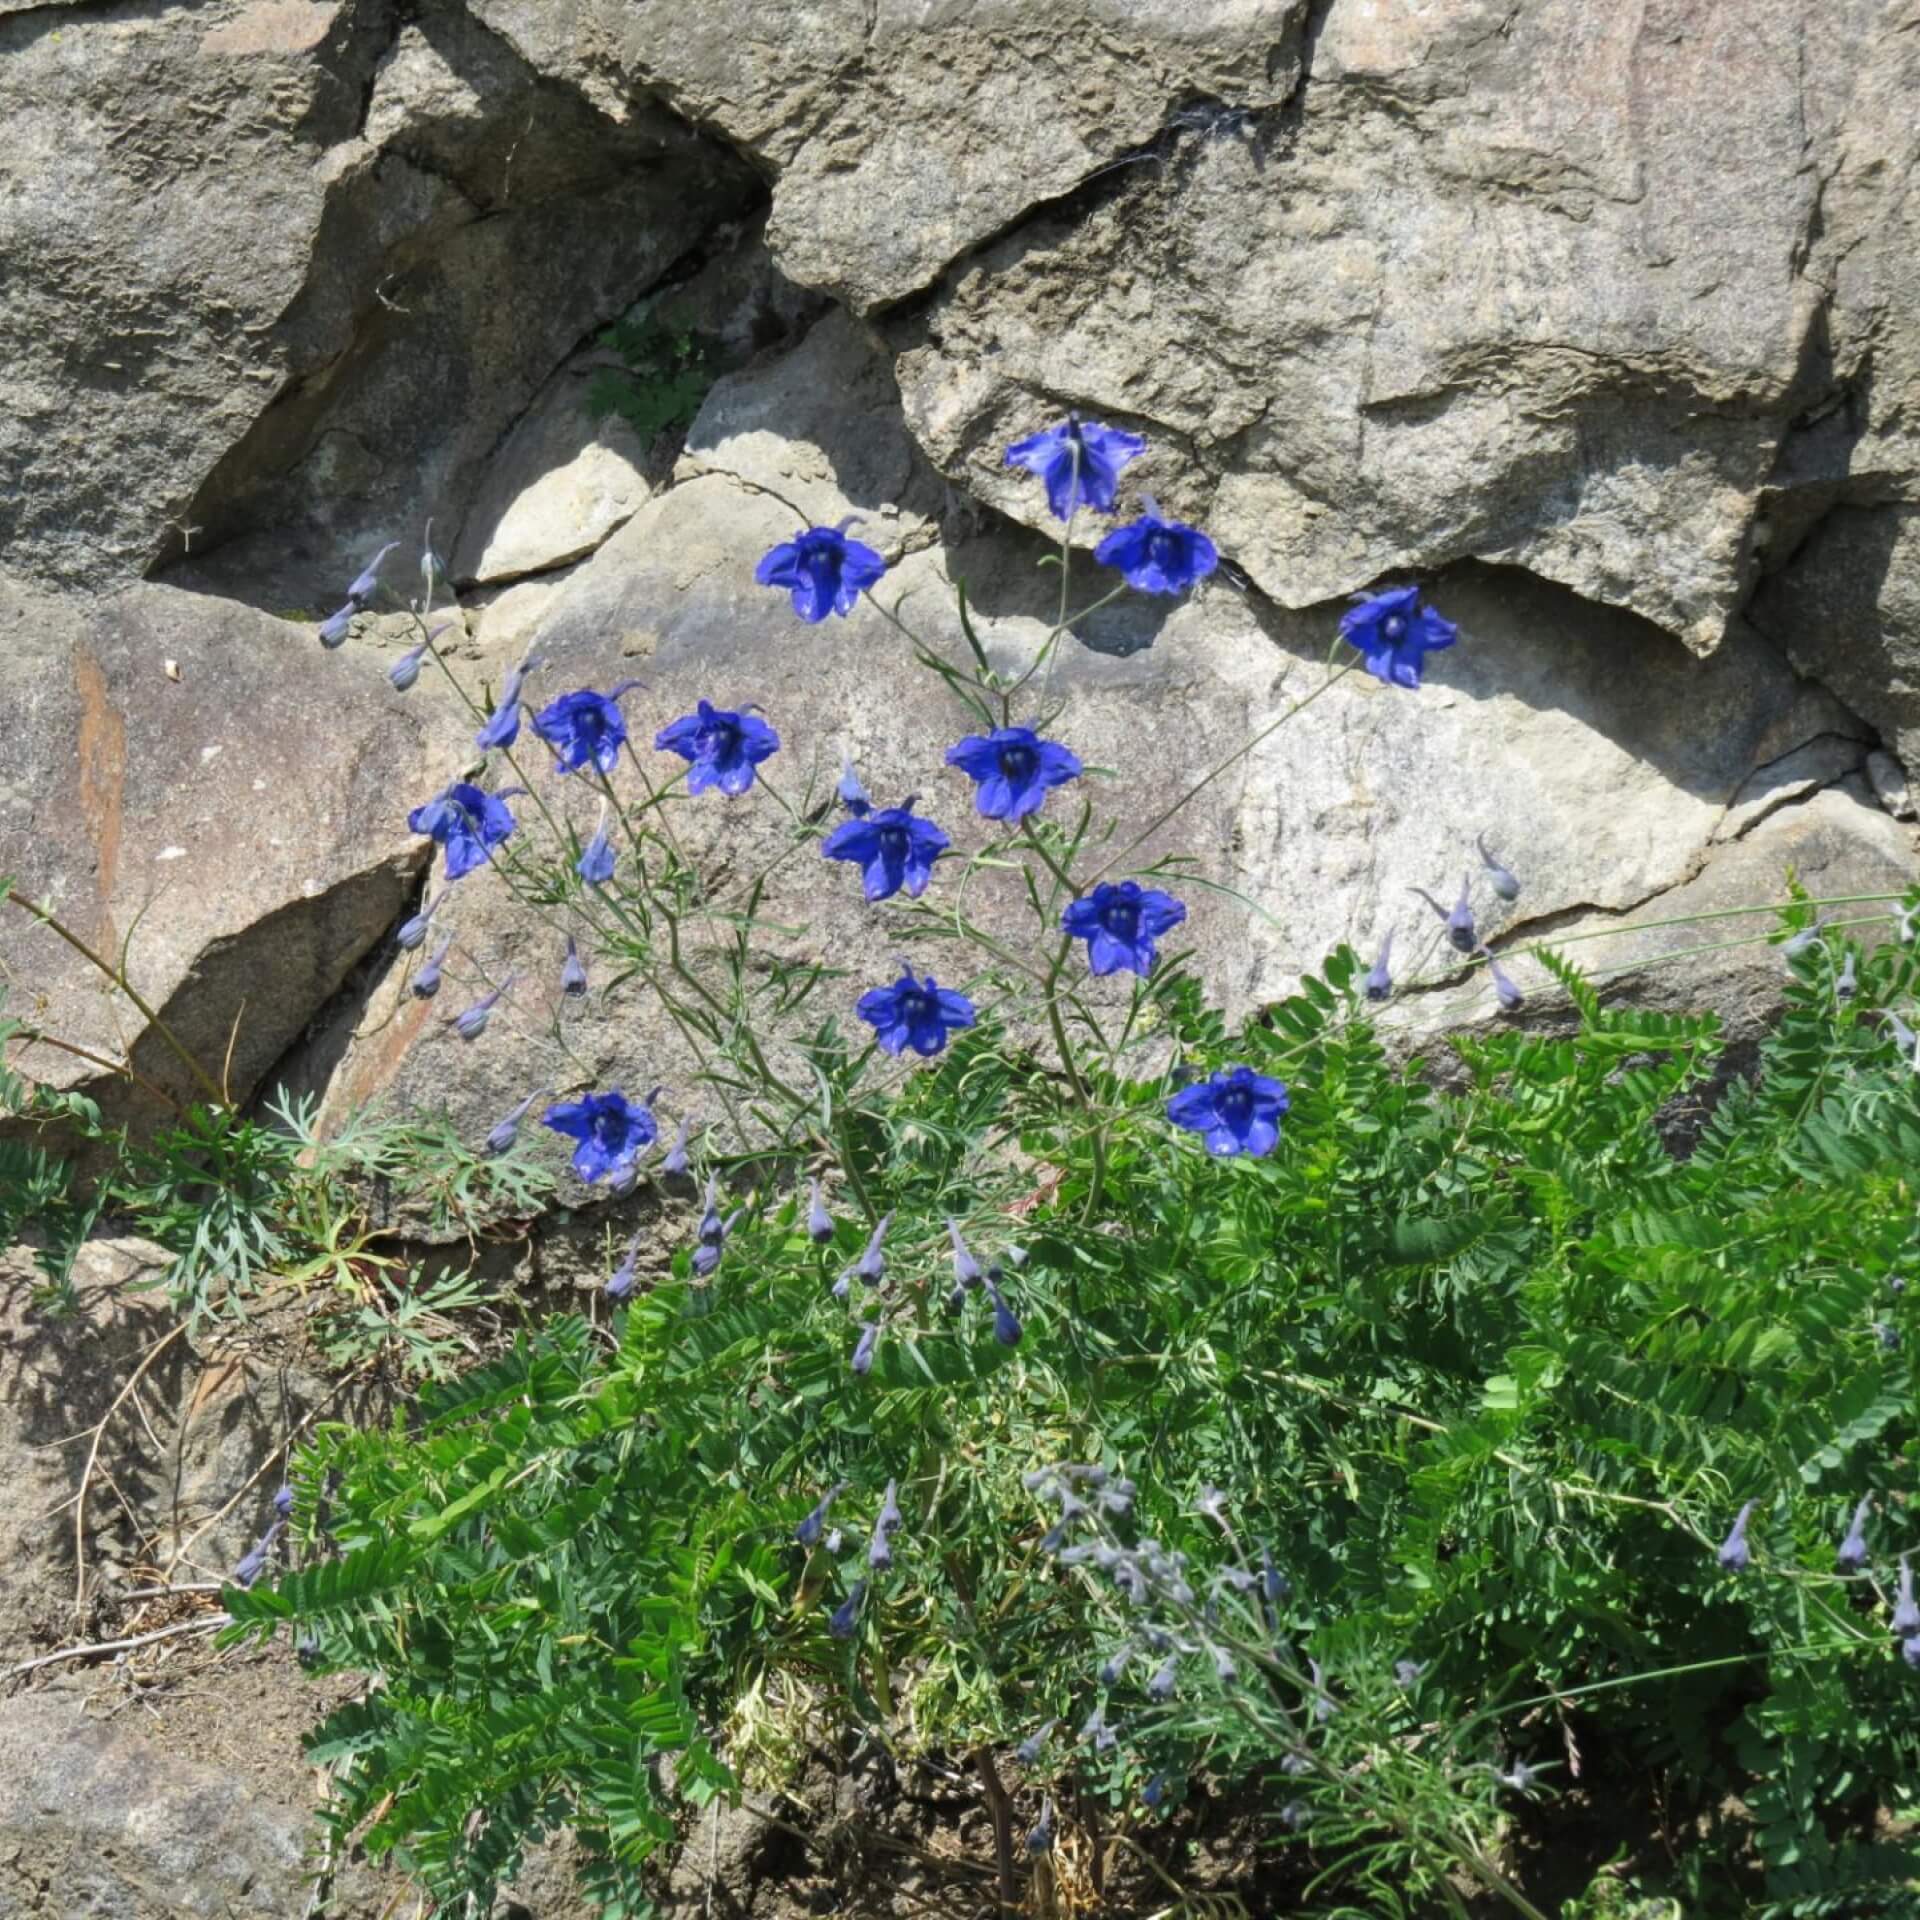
[(1462, 935), (852, 795), (1379, 982), (1394, 632), (864, 1347), (1510, 997), (1012, 768), (1910, 1650), (414, 930), (1029, 1750), (1080, 461), (503, 724), (676, 1160), (705, 1262), (283, 1501), (611, 1131), (1165, 1680), (1905, 1620), (1114, 1667), (1503, 880), (573, 972), (893, 848), (472, 1023), (1406, 1673), (1237, 1110), (808, 1532), (368, 582), (1040, 1834), (1735, 1555), (880, 1547), (596, 862), (872, 1265), (1153, 1795), (846, 1616), (914, 1013), (712, 1229), (1120, 922), (337, 625), (254, 1562), (426, 983), (822, 570), (721, 748), (406, 670), (1096, 1729), (466, 823), (1156, 555), (507, 1131), (1852, 1554), (819, 1220), (584, 728)]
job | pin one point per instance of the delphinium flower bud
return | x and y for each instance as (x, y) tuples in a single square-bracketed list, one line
[(1295, 1815), (426, 983), (1519, 1777), (1030, 1749), (1323, 1701), (1461, 935), (863, 1350), (1131, 1579), (1040, 1834), (1160, 1688), (1379, 982), (966, 1269), (406, 670), (507, 1131), (473, 1022), (846, 1616), (712, 1228), (1295, 1764), (819, 1220), (676, 1160), (1802, 942), (1735, 1555), (503, 724), (367, 584), (808, 1532), (283, 1506), (620, 1283), (413, 932), (1275, 1588), (1896, 1283), (844, 1285), (307, 1651), (835, 1540), (1851, 1555), (336, 626), (880, 1547), (1006, 1324), (1501, 879), (1910, 1651), (1224, 1668), (1095, 1728), (1408, 1672), (1153, 1794), (1213, 1503), (705, 1262), (1906, 1616), (596, 863), (1847, 984), (1888, 1336), (872, 1265), (852, 795), (1510, 997), (623, 1180), (1902, 1033), (573, 972), (1114, 1666), (253, 1563)]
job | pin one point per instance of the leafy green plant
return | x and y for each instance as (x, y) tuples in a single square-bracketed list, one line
[(663, 381)]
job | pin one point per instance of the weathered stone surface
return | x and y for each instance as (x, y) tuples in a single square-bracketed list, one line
[(206, 788), (1599, 757), (903, 132), (1890, 784)]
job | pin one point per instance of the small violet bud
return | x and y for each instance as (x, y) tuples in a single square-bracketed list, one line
[(846, 1616), (1378, 983), (1006, 1324), (872, 1265), (1160, 1687), (1848, 983), (1040, 1834), (1510, 997), (426, 983), (1114, 1667), (1501, 879), (1852, 1553), (819, 1220), (406, 670), (810, 1530), (368, 583), (1910, 1651), (863, 1350), (1030, 1749), (1461, 935), (620, 1283), (1803, 941), (706, 1260), (1735, 1555), (1906, 1616), (507, 1131), (473, 1022), (712, 1230), (1408, 1672), (413, 932), (573, 973), (335, 627), (595, 865), (1153, 1795), (676, 1160), (853, 796), (1095, 1728), (966, 1269), (1889, 1337), (283, 1506)]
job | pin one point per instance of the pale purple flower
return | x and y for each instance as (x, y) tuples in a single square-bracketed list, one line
[(872, 1265), (1735, 1555), (1461, 934), (819, 1220), (507, 1131), (1006, 1324), (336, 626), (808, 1532), (1510, 997), (1378, 983), (1501, 879), (966, 1269), (846, 1616), (471, 1024), (1029, 1750), (1165, 1680), (862, 1362), (426, 983), (1852, 1553), (676, 1160), (414, 931), (1906, 1616), (573, 973), (367, 584), (1040, 1834)]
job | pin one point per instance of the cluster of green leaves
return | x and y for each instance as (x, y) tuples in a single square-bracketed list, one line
[(664, 378), (1488, 1370)]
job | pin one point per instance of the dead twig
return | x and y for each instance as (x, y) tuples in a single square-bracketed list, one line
[(121, 1646), (153, 1353)]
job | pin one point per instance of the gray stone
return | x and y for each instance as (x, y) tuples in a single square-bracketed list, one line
[(1793, 777), (1890, 785), (208, 790), (903, 132)]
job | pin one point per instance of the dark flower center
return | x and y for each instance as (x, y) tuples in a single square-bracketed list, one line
[(893, 843), (1121, 918), (720, 741), (1163, 549), (916, 1007), (1018, 763), (1394, 625), (1235, 1107)]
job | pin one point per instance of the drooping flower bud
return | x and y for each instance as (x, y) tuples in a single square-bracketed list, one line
[(283, 1505), (1906, 1616), (1294, 1764), (507, 1131), (414, 932), (863, 1350), (1160, 1688), (368, 582), (473, 1022), (1888, 1336), (1153, 1795), (426, 983), (1006, 1324), (336, 626), (406, 670), (966, 1269), (1910, 1651), (1040, 1834), (1803, 941), (844, 1285), (1519, 1777), (1095, 1728), (880, 1547), (1852, 1553), (1735, 1555), (1408, 1672), (808, 1532), (1847, 984), (853, 796), (596, 862), (1224, 1669), (620, 1283), (819, 1220), (573, 973), (1501, 879), (706, 1260), (712, 1230), (1114, 1667), (1378, 983), (1323, 1702), (1461, 935), (872, 1265), (1030, 1749), (1295, 1815), (676, 1160), (1510, 997), (846, 1616)]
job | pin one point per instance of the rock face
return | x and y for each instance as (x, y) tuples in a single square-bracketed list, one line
[(198, 786)]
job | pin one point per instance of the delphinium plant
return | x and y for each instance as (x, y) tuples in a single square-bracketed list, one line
[(1384, 1438)]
